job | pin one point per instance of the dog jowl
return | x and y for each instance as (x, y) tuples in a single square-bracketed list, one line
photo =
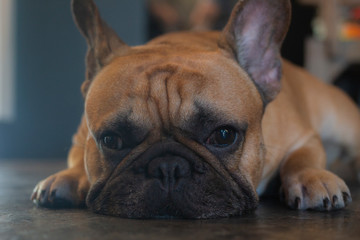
[(195, 124)]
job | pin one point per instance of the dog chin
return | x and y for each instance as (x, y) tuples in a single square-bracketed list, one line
[(199, 198), (174, 184)]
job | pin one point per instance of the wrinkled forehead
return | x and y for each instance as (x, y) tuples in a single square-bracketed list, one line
[(151, 90)]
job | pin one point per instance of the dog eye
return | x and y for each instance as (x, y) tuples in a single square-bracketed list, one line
[(112, 142), (222, 137)]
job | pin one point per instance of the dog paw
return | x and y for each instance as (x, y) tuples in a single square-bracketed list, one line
[(315, 189), (65, 189)]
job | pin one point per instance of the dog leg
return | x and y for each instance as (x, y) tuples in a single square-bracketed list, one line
[(305, 182), (348, 135), (67, 188), (342, 126)]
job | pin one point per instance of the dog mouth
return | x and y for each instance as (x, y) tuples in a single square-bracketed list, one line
[(171, 181)]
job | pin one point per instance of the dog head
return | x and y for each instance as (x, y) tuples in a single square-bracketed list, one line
[(175, 125)]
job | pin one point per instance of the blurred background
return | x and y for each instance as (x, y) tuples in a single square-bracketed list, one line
[(42, 57)]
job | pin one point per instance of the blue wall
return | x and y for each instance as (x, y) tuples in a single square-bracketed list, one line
[(49, 71)]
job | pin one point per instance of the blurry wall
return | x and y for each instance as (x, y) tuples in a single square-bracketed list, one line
[(49, 71)]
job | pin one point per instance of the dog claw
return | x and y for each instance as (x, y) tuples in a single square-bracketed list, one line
[(347, 198), (327, 204), (335, 202), (33, 195), (53, 194), (297, 203), (43, 196)]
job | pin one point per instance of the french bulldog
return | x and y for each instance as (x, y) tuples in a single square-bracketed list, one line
[(196, 124)]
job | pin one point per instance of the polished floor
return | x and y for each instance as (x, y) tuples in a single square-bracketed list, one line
[(20, 219)]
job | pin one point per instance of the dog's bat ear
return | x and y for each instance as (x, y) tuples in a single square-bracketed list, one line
[(254, 34), (103, 42)]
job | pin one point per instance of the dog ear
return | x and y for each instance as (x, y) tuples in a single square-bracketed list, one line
[(253, 35), (103, 42)]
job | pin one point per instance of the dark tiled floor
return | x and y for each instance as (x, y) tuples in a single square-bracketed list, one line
[(19, 219)]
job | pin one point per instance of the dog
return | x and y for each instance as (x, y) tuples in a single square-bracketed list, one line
[(195, 125)]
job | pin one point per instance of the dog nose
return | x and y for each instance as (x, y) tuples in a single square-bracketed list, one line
[(169, 170)]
